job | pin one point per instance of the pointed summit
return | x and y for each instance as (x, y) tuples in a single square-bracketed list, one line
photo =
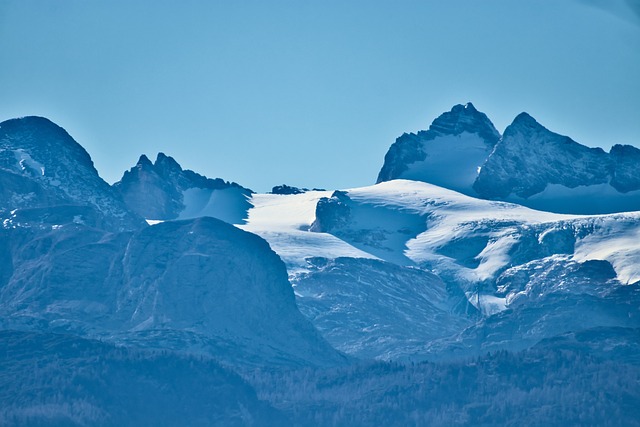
[(448, 154), (524, 117), (524, 121), (529, 157), (465, 118), (167, 163), (144, 161), (164, 191)]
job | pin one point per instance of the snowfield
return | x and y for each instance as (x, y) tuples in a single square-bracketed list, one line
[(421, 224), (285, 220), (359, 259)]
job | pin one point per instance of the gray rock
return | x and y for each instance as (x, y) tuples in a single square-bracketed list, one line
[(163, 191), (42, 166), (529, 157), (413, 148)]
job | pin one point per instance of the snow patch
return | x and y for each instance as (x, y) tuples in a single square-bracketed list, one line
[(27, 163), (452, 161), (228, 204), (584, 199)]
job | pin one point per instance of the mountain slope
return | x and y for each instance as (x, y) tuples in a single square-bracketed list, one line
[(196, 285), (41, 166), (163, 190), (213, 280), (529, 165), (448, 154), (541, 169), (369, 254), (374, 309)]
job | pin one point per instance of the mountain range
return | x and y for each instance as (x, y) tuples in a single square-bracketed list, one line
[(527, 164), (472, 243)]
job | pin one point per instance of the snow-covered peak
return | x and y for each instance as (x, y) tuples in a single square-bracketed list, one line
[(366, 256), (534, 166), (448, 154), (528, 165)]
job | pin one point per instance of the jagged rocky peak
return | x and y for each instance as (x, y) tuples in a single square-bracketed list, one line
[(162, 190), (529, 157), (161, 166), (144, 161), (146, 191), (462, 151), (448, 154), (466, 118), (332, 213), (167, 163), (43, 167)]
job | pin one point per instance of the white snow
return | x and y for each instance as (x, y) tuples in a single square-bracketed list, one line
[(284, 221), (487, 304), (228, 204), (27, 162), (453, 161), (617, 241), (601, 198), (284, 211), (415, 223), (414, 217)]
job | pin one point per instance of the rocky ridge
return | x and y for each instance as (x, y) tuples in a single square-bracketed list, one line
[(529, 165), (163, 191)]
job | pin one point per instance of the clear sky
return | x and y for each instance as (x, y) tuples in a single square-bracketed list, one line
[(312, 93)]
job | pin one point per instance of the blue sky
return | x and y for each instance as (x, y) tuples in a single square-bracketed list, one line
[(312, 93)]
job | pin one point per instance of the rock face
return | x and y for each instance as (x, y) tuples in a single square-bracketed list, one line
[(626, 168), (529, 157), (199, 285), (448, 154), (41, 166), (543, 170), (528, 165), (213, 279), (287, 189), (163, 190), (404, 308)]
